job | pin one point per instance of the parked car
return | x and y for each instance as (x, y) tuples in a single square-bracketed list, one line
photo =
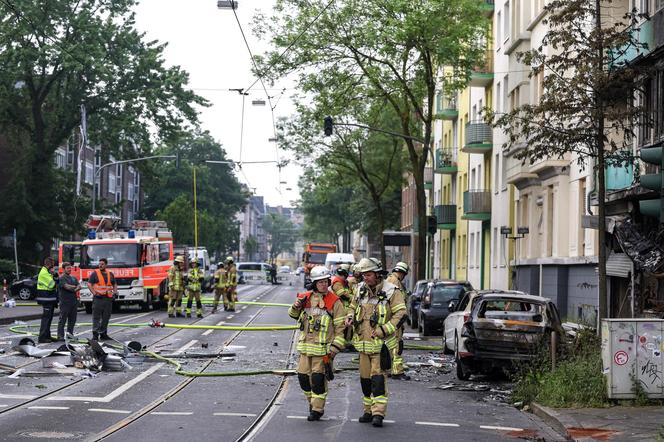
[(284, 269), (413, 302), (299, 270), (24, 289), (434, 307), (459, 312), (505, 327)]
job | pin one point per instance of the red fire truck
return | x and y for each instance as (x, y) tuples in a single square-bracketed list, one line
[(139, 258), (314, 255)]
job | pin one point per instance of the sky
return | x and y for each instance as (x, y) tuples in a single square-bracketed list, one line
[(207, 43)]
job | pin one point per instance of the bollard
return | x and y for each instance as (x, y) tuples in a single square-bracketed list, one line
[(4, 290), (554, 349)]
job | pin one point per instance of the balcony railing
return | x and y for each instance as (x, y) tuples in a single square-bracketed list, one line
[(479, 138), (446, 216), (482, 74), (477, 204), (446, 107), (446, 160)]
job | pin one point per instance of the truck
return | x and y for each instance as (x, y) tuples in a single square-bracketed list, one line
[(138, 257), (314, 255)]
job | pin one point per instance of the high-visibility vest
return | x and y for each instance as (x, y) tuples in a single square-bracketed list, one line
[(45, 280), (103, 287)]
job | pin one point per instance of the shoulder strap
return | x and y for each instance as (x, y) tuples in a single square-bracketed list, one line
[(330, 298), (100, 277)]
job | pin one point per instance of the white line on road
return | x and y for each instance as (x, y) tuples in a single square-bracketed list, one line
[(243, 307), (41, 407), (211, 330), (112, 395), (3, 405), (26, 397), (437, 424), (236, 414), (387, 421), (108, 410), (230, 316), (491, 427), (172, 413)]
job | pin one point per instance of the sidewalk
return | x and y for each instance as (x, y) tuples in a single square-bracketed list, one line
[(9, 315), (605, 424)]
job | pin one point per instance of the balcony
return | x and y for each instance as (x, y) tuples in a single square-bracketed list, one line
[(649, 34), (446, 107), (477, 205), (446, 216), (428, 178), (487, 8), (479, 138), (619, 176), (446, 160), (518, 173), (482, 74)]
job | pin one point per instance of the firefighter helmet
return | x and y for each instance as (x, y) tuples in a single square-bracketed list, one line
[(179, 259), (401, 267), (229, 259), (343, 270), (368, 265), (318, 273), (193, 261)]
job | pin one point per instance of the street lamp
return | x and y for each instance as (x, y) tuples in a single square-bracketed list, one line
[(227, 4), (103, 166), (521, 232)]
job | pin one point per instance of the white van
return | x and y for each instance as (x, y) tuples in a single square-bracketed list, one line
[(253, 272), (332, 260)]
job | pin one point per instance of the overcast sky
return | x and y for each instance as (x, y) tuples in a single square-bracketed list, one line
[(207, 43)]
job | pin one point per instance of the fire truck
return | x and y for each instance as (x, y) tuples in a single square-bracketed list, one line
[(314, 255), (138, 257)]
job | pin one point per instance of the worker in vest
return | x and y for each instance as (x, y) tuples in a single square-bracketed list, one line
[(47, 297), (176, 287), (230, 295), (322, 319), (220, 284), (396, 277), (195, 278), (378, 309), (102, 285)]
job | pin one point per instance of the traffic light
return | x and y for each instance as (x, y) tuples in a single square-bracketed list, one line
[(653, 181), (432, 225), (327, 125)]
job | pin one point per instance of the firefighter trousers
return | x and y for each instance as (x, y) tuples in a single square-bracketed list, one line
[(374, 384), (311, 375), (230, 298), (175, 303), (218, 293), (199, 306), (397, 354)]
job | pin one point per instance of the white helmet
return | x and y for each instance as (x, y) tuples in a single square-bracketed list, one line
[(401, 267), (318, 273), (368, 265)]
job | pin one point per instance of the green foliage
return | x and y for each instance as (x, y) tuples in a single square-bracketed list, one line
[(59, 55), (281, 234), (577, 380), (250, 246), (219, 195)]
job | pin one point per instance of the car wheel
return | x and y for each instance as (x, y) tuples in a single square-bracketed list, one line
[(24, 294), (88, 307), (462, 369), (145, 306), (423, 326), (446, 349)]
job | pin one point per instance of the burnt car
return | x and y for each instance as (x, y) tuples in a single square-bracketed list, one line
[(504, 328)]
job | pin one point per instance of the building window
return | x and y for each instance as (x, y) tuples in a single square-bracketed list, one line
[(97, 157), (136, 206), (506, 21), (499, 29), (498, 98), (503, 173), (130, 192), (494, 247), (111, 182), (471, 247), (496, 174), (659, 4), (89, 172), (118, 197)]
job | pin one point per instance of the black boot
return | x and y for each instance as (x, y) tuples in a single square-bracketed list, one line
[(95, 336), (105, 337), (314, 416), (365, 418), (377, 421)]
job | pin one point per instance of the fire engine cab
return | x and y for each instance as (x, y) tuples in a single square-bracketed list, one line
[(139, 258)]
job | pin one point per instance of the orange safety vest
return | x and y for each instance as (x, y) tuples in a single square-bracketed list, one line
[(102, 287), (337, 278)]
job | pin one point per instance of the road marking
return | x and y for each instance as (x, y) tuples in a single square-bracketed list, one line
[(243, 307), (172, 413), (42, 407), (491, 427), (235, 414), (437, 424), (115, 393), (211, 330), (230, 316), (107, 410), (3, 405), (387, 421), (26, 397), (296, 417)]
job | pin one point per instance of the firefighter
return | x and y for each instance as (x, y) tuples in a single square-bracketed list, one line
[(176, 287), (230, 295), (220, 286), (194, 280), (340, 284), (396, 277), (322, 319), (353, 279), (378, 308)]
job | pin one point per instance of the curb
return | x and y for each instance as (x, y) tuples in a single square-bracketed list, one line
[(27, 317), (551, 418)]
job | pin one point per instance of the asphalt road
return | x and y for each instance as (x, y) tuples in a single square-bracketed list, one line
[(150, 402)]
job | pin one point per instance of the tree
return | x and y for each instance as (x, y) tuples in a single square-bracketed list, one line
[(586, 109), (55, 57), (281, 234), (369, 162), (250, 247), (169, 193), (387, 49)]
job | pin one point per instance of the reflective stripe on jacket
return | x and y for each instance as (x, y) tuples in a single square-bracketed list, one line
[(193, 279), (46, 292)]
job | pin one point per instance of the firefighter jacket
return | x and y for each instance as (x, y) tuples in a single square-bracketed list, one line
[(321, 318), (220, 277), (194, 279), (231, 277), (394, 279), (46, 292), (378, 310), (175, 279), (340, 288)]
